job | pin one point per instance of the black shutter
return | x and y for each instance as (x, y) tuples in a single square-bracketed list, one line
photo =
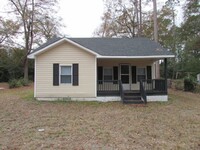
[(55, 74), (133, 71), (99, 74), (115, 74), (149, 74), (75, 74)]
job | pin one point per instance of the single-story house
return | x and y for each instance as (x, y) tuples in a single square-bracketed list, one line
[(103, 69)]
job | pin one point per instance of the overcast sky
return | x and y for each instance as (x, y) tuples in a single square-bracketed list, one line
[(82, 17)]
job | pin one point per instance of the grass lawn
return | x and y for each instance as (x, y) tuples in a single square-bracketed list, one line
[(28, 124)]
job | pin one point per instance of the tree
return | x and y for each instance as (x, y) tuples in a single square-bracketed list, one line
[(8, 29), (190, 36), (155, 31), (29, 13), (121, 19), (11, 64), (47, 27)]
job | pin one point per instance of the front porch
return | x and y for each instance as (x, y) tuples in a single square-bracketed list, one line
[(154, 87), (130, 80)]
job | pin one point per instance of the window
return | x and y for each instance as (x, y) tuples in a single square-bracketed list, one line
[(65, 74), (107, 74), (125, 69), (141, 74)]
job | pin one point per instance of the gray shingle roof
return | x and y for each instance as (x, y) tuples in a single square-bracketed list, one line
[(117, 46), (49, 42)]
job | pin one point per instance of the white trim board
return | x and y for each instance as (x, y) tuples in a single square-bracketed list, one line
[(95, 78), (137, 57)]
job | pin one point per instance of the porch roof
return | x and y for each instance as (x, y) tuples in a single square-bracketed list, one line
[(114, 47)]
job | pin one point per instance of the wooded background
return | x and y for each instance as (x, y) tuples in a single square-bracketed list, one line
[(33, 22)]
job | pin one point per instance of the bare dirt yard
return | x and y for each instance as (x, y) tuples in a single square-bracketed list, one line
[(28, 124)]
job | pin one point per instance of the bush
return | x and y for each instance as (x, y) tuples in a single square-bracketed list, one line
[(189, 84), (197, 88), (14, 83), (24, 82), (179, 85)]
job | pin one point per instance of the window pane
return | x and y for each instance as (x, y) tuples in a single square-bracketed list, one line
[(107, 74), (65, 70), (66, 79), (124, 69), (125, 78), (107, 71), (107, 78), (141, 71)]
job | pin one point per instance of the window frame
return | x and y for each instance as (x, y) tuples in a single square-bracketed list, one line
[(66, 65), (107, 75), (145, 73)]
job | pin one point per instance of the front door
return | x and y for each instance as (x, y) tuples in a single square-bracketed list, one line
[(125, 76)]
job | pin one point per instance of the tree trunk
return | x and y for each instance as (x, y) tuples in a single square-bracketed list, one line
[(137, 17), (140, 24), (26, 69), (156, 35)]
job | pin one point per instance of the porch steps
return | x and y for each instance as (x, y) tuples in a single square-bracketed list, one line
[(131, 97)]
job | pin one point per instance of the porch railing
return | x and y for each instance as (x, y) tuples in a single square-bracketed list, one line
[(155, 86), (113, 87), (110, 88)]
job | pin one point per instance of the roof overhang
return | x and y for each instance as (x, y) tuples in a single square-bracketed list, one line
[(32, 55), (135, 57)]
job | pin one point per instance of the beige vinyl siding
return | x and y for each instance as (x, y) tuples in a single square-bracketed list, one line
[(65, 54), (141, 63)]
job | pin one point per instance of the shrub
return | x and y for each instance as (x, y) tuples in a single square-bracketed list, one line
[(197, 88), (24, 82), (189, 84), (14, 83), (179, 85)]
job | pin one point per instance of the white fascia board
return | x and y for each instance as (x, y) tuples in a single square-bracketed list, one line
[(32, 56), (137, 57)]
